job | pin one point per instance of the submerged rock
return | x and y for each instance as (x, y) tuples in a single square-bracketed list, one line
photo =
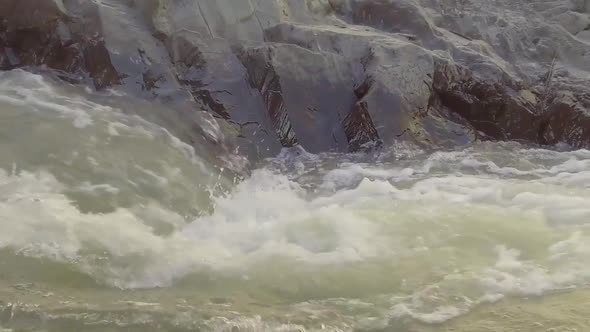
[(328, 75)]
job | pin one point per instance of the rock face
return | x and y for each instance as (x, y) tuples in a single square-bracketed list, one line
[(329, 75)]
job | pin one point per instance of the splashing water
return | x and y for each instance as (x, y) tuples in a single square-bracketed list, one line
[(110, 223)]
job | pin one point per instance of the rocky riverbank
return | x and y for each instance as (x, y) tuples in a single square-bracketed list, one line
[(337, 75)]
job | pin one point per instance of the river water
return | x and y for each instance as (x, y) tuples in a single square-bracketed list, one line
[(108, 222)]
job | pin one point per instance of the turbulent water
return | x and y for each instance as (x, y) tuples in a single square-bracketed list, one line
[(108, 222)]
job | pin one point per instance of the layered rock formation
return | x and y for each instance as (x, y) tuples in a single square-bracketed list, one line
[(337, 75)]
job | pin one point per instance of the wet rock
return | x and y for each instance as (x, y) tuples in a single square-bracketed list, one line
[(494, 108), (401, 16), (566, 120), (327, 75), (505, 110), (26, 14), (359, 128), (308, 95), (219, 82), (29, 36), (393, 78)]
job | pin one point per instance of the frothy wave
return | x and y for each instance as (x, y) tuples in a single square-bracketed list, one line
[(410, 235)]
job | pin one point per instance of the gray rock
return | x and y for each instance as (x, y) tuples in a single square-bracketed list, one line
[(329, 75)]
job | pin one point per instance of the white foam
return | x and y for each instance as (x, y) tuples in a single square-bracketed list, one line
[(257, 324), (441, 215), (350, 174), (514, 278), (509, 276), (492, 167), (34, 92), (96, 189), (266, 215), (439, 315), (507, 258)]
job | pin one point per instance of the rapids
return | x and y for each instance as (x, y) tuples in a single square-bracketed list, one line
[(109, 222)]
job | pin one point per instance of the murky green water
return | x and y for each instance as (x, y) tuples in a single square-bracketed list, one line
[(110, 223)]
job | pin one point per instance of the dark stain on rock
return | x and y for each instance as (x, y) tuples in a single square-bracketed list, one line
[(265, 79)]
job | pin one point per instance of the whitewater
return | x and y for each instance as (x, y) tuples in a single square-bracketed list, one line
[(110, 222)]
